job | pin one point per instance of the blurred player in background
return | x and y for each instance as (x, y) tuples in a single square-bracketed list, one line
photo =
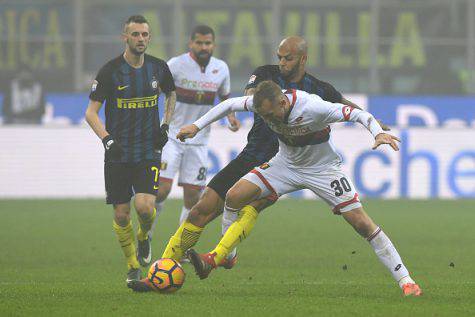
[(199, 78), (306, 160), (132, 137)]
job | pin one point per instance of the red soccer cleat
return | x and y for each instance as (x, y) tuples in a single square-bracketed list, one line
[(410, 289), (229, 264), (140, 286), (203, 263)]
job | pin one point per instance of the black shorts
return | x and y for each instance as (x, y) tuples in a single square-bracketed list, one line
[(231, 173), (123, 180)]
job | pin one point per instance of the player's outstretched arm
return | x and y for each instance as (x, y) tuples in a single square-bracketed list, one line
[(333, 112), (187, 132), (385, 138), (214, 114), (352, 104), (233, 123)]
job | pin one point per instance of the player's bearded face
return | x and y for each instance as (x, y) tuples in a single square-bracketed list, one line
[(137, 37), (289, 62), (202, 46), (289, 68)]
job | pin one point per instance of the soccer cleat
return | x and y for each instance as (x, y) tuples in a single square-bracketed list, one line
[(229, 264), (203, 263), (140, 286), (144, 252), (133, 275), (410, 289)]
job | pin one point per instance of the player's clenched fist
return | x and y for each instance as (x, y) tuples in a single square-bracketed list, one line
[(384, 138), (187, 132), (113, 149)]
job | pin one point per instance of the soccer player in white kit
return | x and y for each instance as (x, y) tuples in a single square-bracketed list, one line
[(306, 159), (198, 77)]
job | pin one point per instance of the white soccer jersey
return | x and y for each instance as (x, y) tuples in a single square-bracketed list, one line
[(196, 89), (304, 139)]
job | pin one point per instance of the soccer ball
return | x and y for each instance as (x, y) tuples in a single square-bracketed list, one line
[(166, 276)]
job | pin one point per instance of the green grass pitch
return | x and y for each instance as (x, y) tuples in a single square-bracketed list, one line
[(61, 258)]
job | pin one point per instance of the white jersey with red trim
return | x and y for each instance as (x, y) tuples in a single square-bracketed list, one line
[(196, 89), (304, 137)]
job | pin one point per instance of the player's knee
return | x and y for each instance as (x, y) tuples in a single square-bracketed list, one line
[(145, 207), (121, 218), (235, 198)]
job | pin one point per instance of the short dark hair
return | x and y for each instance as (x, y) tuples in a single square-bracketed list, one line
[(201, 29), (266, 90), (136, 19)]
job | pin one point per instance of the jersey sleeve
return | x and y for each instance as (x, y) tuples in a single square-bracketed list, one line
[(328, 112), (225, 88), (223, 108), (331, 94), (173, 65), (167, 84), (102, 84), (258, 75)]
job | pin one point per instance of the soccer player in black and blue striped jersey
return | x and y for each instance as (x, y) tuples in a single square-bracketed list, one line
[(130, 85)]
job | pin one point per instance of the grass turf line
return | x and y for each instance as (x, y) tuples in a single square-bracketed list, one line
[(60, 257)]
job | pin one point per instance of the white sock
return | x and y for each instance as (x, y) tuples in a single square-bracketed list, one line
[(229, 217), (389, 256), (158, 208), (184, 214)]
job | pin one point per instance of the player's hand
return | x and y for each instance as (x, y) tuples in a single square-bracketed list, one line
[(162, 137), (383, 126), (384, 138), (113, 149), (233, 123), (187, 132)]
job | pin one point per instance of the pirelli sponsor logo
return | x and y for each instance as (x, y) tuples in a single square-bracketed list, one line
[(137, 103)]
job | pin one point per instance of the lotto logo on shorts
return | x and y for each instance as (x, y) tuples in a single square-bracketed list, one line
[(264, 166), (163, 166), (347, 112)]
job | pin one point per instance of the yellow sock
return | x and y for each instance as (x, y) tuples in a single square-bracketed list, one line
[(145, 226), (184, 238), (237, 232), (125, 235)]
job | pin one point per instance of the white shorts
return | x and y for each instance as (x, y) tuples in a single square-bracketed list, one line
[(190, 161), (277, 178)]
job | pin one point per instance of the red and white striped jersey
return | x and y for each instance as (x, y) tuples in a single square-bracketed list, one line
[(196, 90)]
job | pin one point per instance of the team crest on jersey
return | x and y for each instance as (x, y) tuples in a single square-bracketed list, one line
[(346, 110), (252, 79), (264, 166), (215, 71), (154, 83), (94, 85)]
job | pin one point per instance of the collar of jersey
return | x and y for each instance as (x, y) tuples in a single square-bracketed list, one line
[(294, 99)]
